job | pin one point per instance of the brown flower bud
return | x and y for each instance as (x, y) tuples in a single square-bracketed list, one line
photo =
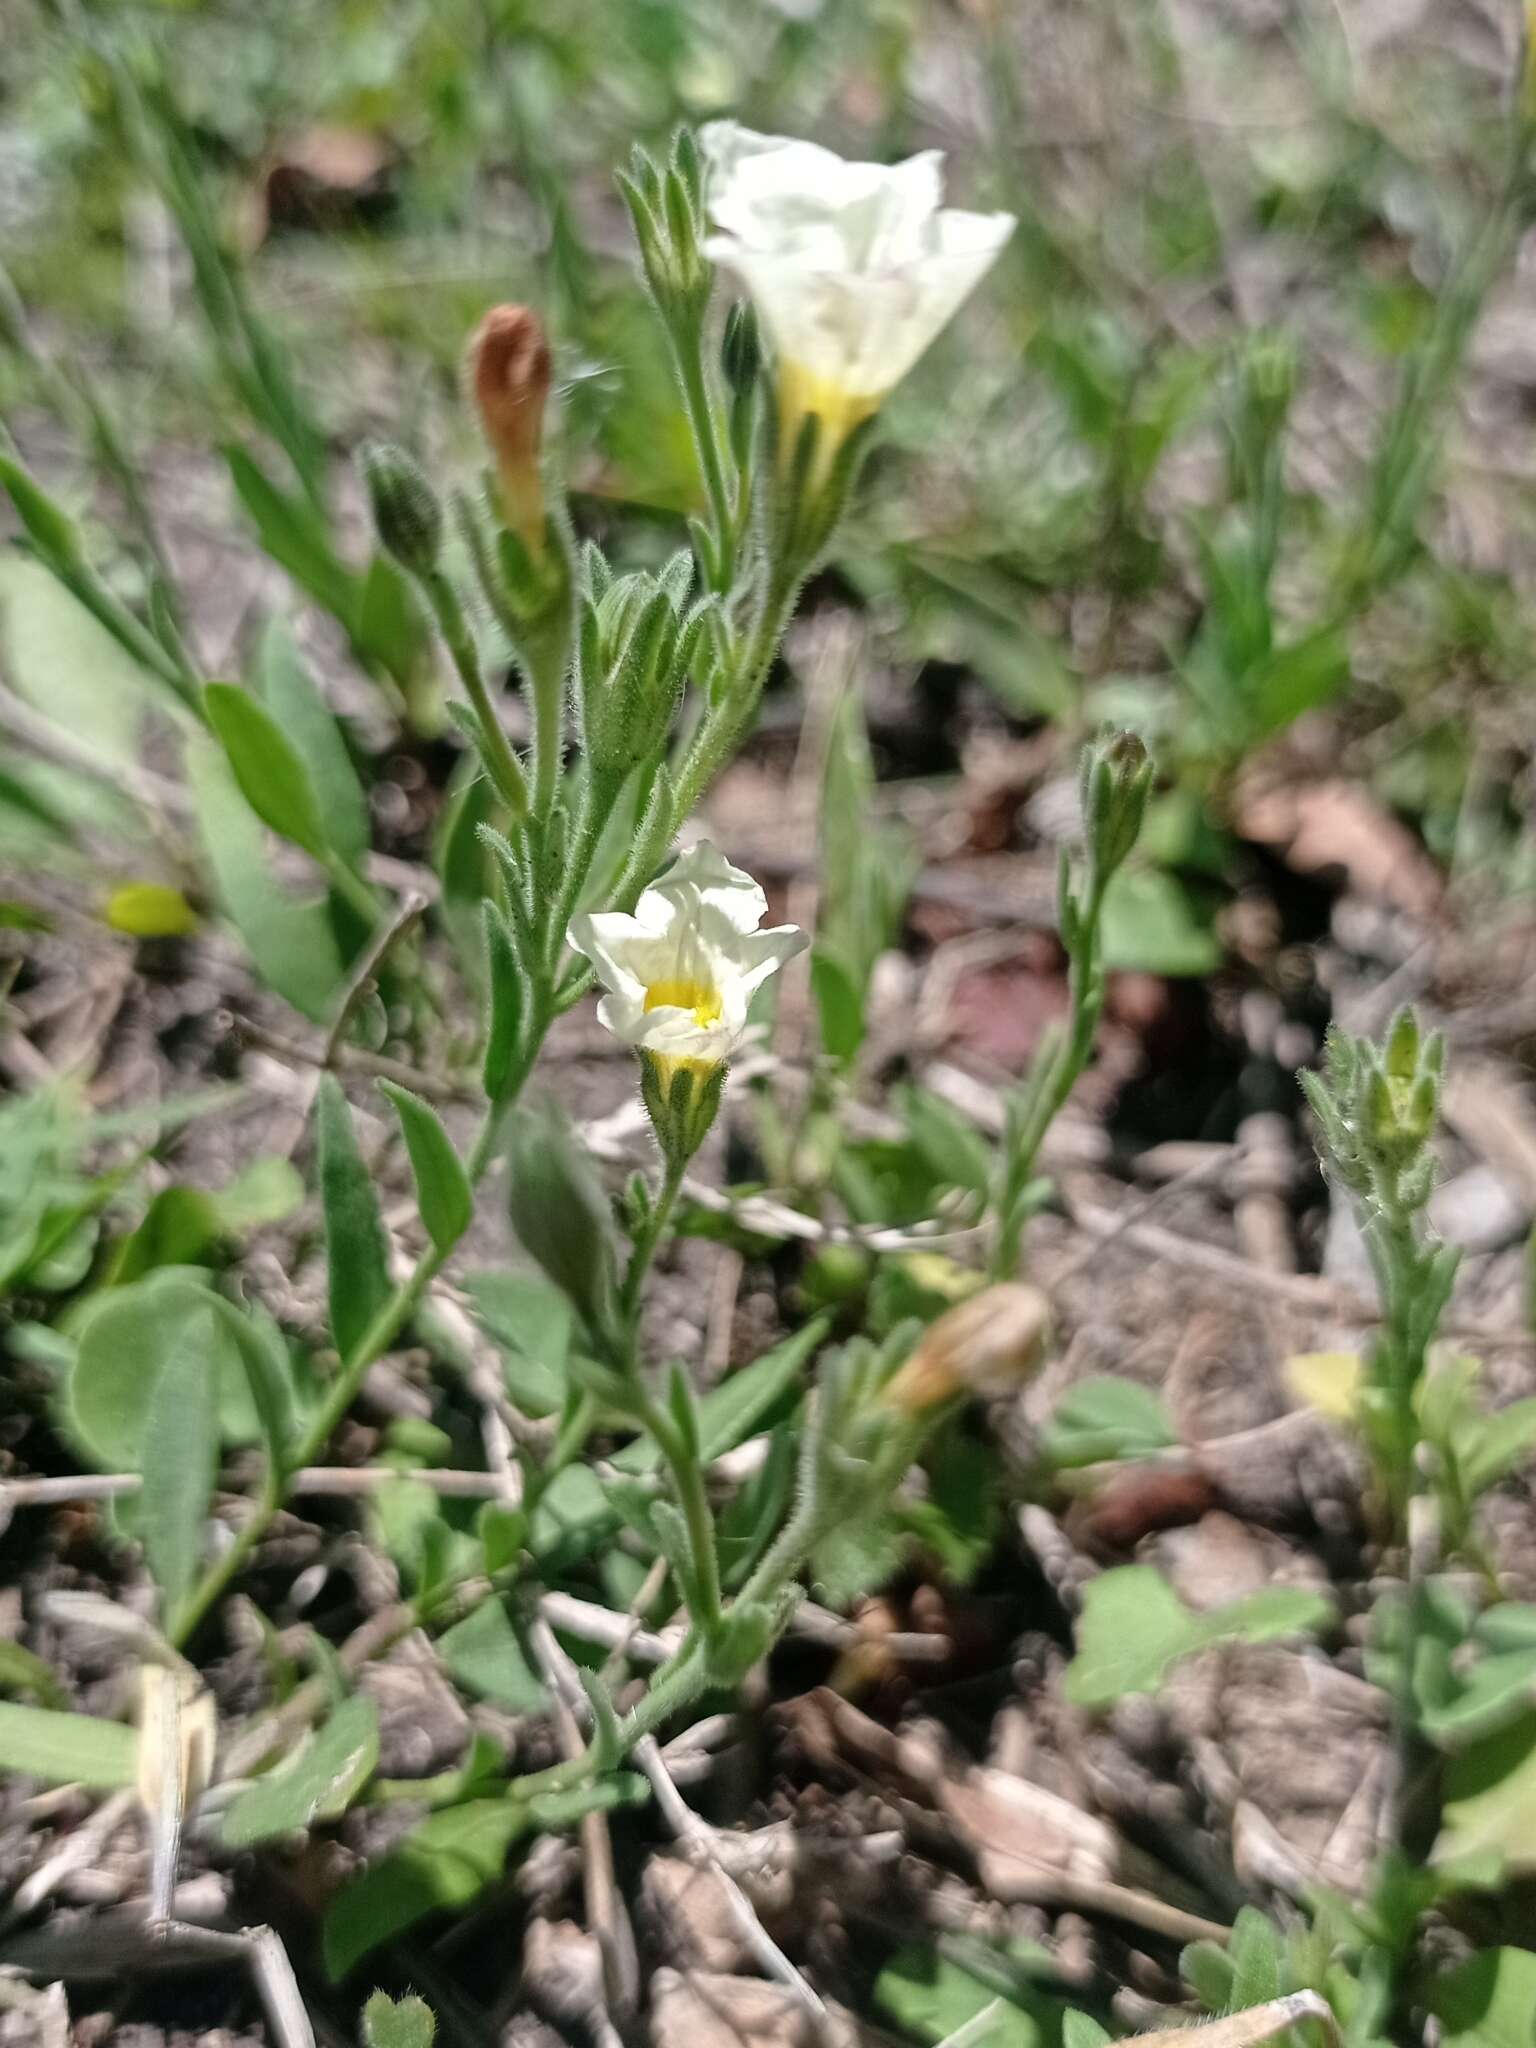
[(509, 367), (989, 1344)]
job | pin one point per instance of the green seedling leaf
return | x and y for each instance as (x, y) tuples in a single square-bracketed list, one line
[(1257, 1955), (930, 1997), (179, 1459), (1495, 1444), (533, 1320), (1509, 1626), (1490, 1801), (354, 1234), (1498, 1690), (443, 1864), (482, 1653), (124, 1338), (319, 1783), (271, 773), (67, 1749), (1106, 1418), (1082, 2030), (291, 939), (290, 694), (1134, 1626), (443, 1193), (397, 2023), (21, 1672), (1154, 925), (184, 1226), (1488, 2002)]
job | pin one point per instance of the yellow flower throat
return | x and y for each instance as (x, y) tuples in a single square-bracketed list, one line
[(682, 994)]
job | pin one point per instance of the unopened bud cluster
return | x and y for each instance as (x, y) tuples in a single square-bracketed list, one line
[(1376, 1109)]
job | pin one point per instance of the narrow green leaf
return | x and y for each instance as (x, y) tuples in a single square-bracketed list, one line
[(443, 1193), (294, 535), (291, 939), (354, 1234), (319, 1783), (21, 1672), (508, 1004), (443, 1863), (179, 1459), (294, 700), (272, 774), (839, 1004), (66, 1749)]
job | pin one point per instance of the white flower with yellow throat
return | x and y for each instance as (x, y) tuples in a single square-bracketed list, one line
[(680, 974), (854, 268)]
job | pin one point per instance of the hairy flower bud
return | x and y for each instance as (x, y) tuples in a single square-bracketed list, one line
[(989, 1344), (510, 370), (1116, 783), (406, 513)]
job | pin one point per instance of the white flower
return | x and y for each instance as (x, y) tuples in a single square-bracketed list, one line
[(680, 973), (854, 268)]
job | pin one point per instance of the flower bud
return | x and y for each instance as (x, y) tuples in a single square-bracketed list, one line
[(989, 1344), (510, 370), (682, 1100), (406, 513), (1116, 783), (741, 349)]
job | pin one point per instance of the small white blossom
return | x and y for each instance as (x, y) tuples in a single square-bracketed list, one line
[(854, 268), (681, 972)]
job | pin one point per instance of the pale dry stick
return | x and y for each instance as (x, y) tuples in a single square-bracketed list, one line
[(81, 1847), (606, 1914), (108, 1947), (696, 1839)]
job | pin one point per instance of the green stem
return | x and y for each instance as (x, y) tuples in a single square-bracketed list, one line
[(725, 726), (686, 1473), (1048, 1088), (506, 771), (704, 422), (349, 884), (681, 1679)]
